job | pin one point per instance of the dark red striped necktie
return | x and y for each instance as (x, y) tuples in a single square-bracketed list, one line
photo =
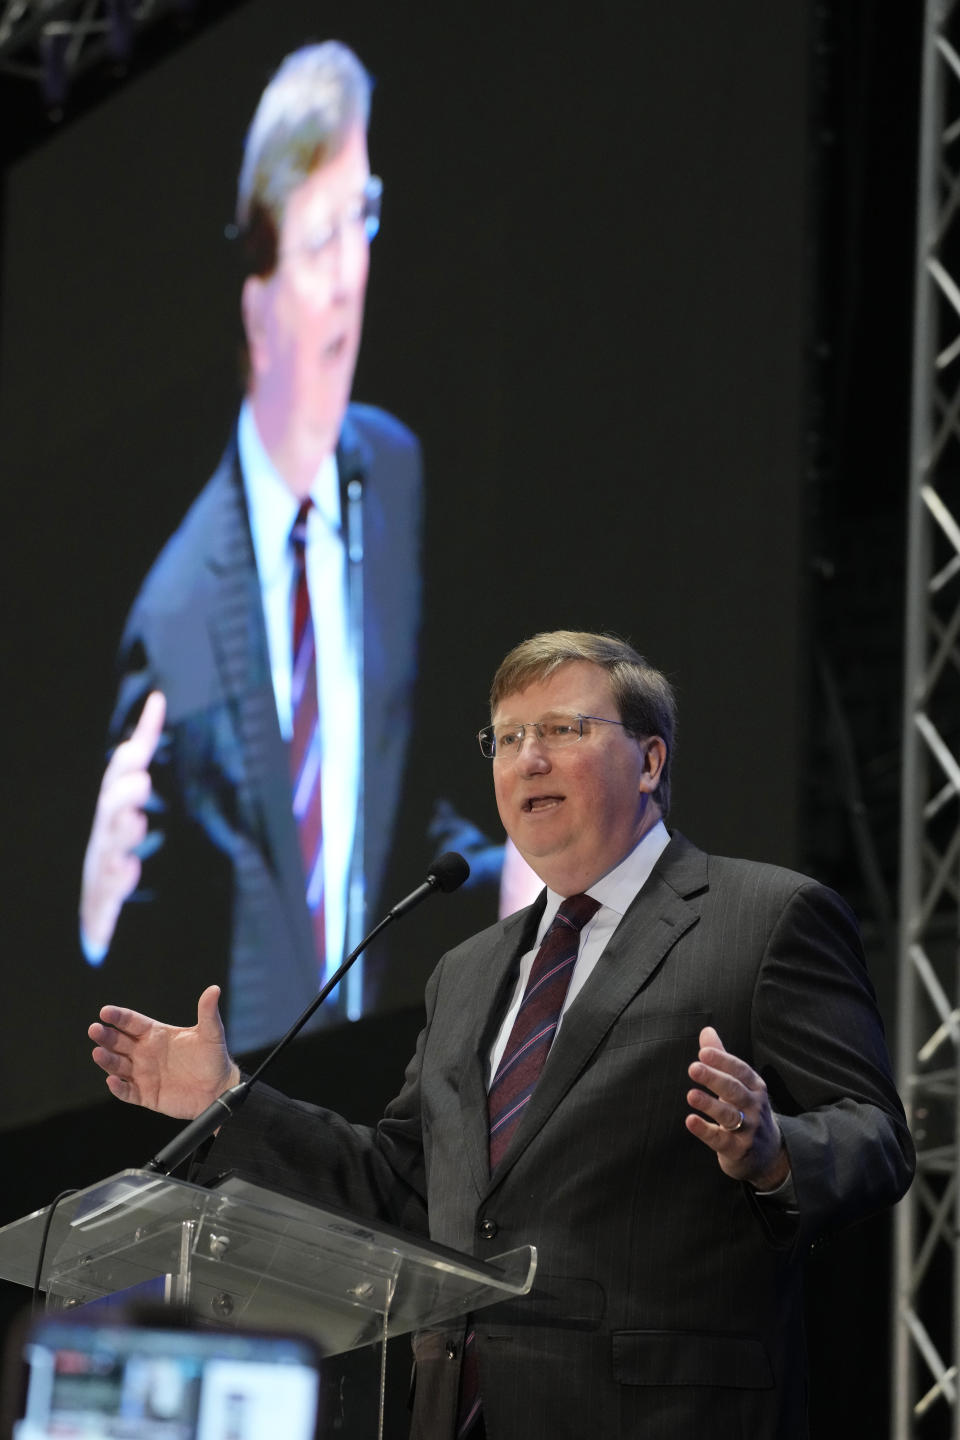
[(305, 745), (536, 1023), (515, 1081)]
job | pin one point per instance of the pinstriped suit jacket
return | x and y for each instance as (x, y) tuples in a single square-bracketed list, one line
[(224, 900), (668, 1297)]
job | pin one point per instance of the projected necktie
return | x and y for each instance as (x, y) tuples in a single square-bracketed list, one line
[(305, 745), (516, 1078)]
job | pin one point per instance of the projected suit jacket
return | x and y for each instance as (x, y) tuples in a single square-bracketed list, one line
[(667, 1301), (223, 899)]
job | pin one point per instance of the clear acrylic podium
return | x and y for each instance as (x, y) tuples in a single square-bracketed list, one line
[(241, 1255)]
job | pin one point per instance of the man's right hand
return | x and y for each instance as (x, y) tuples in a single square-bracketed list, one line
[(111, 870), (178, 1070)]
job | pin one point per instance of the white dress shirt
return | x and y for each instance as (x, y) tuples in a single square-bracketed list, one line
[(616, 891), (273, 507)]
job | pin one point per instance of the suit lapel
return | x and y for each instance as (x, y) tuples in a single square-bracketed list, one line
[(641, 943), (239, 642), (493, 980)]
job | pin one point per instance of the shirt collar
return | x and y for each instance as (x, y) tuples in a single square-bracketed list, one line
[(272, 505), (618, 888)]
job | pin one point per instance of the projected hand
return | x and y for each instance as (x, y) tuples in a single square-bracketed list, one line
[(741, 1129), (176, 1069), (111, 869)]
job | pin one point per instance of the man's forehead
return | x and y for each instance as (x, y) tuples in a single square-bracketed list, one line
[(340, 177), (574, 685)]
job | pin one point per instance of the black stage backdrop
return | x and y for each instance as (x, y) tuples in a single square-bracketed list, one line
[(588, 299)]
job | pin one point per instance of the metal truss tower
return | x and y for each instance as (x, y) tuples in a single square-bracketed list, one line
[(48, 45), (926, 1383)]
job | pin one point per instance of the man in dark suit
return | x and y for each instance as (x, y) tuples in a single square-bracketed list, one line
[(717, 1096), (206, 703)]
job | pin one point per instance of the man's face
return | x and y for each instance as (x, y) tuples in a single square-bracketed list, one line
[(303, 322), (575, 812)]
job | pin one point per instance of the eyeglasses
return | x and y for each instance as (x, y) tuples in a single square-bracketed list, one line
[(362, 216), (504, 741)]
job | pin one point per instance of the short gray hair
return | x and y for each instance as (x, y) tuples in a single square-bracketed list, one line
[(318, 96)]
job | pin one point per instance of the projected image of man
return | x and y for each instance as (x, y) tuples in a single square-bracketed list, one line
[(268, 661)]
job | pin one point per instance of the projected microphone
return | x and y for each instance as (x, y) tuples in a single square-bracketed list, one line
[(447, 873)]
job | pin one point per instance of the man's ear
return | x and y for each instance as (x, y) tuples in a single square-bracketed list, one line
[(654, 759), (253, 310)]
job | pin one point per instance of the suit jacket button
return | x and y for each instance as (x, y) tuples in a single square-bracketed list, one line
[(451, 1350), (488, 1230)]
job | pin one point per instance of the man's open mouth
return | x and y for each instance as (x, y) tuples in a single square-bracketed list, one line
[(541, 802)]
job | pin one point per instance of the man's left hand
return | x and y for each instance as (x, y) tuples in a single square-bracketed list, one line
[(735, 1118)]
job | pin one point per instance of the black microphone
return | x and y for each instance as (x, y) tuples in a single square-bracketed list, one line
[(447, 873)]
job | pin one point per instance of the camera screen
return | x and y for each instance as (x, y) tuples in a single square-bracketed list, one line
[(112, 1381)]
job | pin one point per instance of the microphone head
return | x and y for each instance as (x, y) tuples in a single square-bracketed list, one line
[(448, 871)]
